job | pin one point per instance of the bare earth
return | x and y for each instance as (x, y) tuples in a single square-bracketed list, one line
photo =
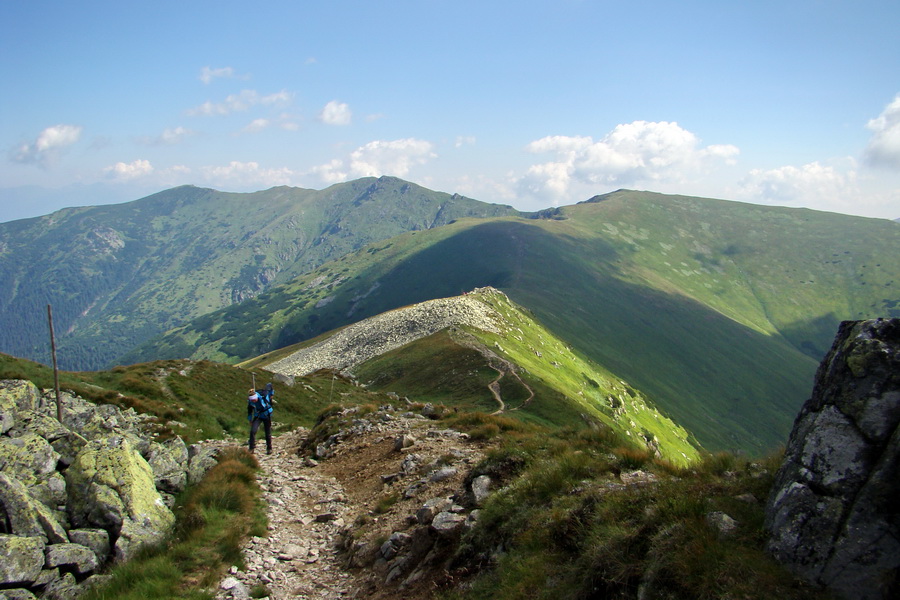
[(313, 509)]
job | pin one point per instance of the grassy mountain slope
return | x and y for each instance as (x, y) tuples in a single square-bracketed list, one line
[(711, 308), (119, 274), (552, 384)]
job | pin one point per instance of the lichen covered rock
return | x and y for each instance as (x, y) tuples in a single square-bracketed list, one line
[(832, 513), (111, 486), (21, 559)]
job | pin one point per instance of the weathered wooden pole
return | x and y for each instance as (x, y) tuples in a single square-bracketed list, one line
[(55, 369)]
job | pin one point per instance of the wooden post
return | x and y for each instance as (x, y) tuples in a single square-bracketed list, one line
[(55, 369)]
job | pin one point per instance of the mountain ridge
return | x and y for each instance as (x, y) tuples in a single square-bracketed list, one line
[(119, 274)]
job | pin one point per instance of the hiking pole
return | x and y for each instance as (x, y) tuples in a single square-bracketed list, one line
[(253, 375)]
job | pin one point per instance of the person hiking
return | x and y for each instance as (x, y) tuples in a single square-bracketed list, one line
[(259, 410)]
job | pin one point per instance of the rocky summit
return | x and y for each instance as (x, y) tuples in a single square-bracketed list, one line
[(832, 512), (79, 493)]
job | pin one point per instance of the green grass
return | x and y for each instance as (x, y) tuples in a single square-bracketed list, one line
[(213, 519), (209, 399), (569, 531)]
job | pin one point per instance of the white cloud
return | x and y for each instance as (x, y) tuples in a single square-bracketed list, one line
[(127, 171), (49, 143), (207, 74), (824, 187), (247, 174), (169, 137), (240, 102), (332, 172), (640, 151), (884, 146), (464, 140), (336, 113), (380, 157), (256, 125), (395, 157)]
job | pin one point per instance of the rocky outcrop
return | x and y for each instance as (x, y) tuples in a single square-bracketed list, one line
[(833, 511), (79, 493), (376, 335)]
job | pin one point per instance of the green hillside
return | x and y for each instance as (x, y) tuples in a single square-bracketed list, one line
[(117, 275), (718, 311), (538, 378)]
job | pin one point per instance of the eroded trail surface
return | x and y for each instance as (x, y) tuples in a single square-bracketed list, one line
[(306, 510), (370, 480)]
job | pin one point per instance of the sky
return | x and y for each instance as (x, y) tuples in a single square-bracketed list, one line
[(530, 103)]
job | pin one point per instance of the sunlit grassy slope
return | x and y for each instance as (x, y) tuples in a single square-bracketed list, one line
[(556, 386), (718, 311)]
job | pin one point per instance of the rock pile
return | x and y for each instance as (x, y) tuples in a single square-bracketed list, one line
[(833, 513), (79, 493), (376, 335)]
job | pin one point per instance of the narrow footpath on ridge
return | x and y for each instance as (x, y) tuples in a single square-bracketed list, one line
[(381, 471), (306, 510)]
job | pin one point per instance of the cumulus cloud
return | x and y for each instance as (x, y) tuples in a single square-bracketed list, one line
[(884, 146), (380, 157), (240, 102), (244, 174), (207, 74), (395, 157), (332, 172), (640, 151), (336, 113), (127, 171), (49, 143), (464, 140), (813, 184)]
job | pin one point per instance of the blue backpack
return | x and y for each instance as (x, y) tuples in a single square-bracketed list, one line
[(266, 397)]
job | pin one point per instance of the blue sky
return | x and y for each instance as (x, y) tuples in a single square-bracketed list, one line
[(528, 103)]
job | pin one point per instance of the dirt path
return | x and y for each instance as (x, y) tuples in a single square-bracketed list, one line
[(311, 504), (306, 510)]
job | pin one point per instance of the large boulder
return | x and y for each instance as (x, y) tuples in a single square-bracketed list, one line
[(16, 396), (24, 515), (832, 513), (111, 486), (168, 461), (21, 559)]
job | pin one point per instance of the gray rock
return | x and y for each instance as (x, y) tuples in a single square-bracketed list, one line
[(722, 523), (201, 459), (21, 559), (111, 487), (832, 511), (446, 524), (169, 463), (404, 441), (26, 516), (442, 474), (481, 489), (16, 396), (73, 556), (431, 508), (95, 539), (64, 588)]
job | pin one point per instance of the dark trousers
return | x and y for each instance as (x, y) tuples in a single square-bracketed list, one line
[(254, 426)]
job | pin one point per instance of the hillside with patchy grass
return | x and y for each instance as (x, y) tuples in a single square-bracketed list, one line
[(718, 311)]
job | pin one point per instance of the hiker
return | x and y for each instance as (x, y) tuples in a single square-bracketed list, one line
[(259, 410)]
